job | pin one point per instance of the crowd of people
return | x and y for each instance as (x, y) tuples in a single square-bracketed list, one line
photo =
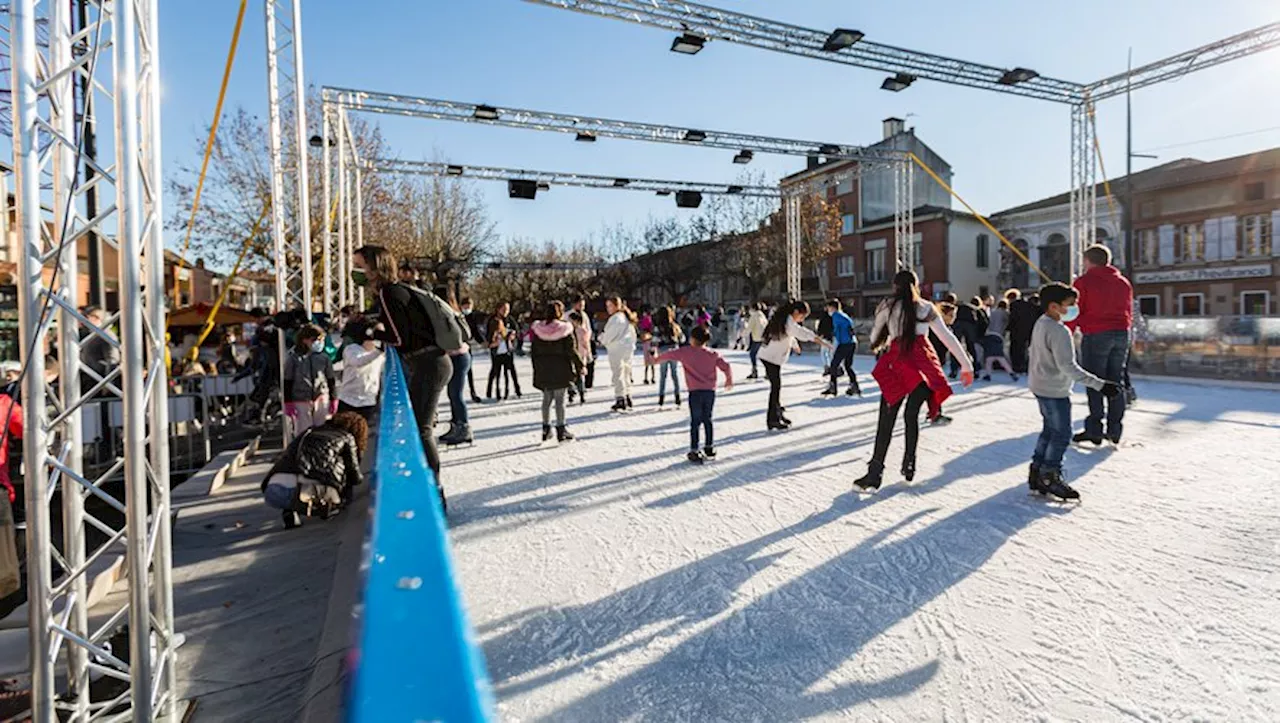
[(914, 341)]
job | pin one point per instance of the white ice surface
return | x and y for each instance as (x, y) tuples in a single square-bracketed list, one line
[(610, 580)]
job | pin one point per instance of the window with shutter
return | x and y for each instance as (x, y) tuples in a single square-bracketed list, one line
[(1166, 245)]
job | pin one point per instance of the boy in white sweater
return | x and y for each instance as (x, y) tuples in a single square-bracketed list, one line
[(1053, 370)]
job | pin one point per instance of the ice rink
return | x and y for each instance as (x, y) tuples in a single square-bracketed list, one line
[(611, 580)]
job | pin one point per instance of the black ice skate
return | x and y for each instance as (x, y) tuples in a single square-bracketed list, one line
[(709, 452), (1034, 482), (909, 468), (546, 432), (871, 480), (1054, 486), (1083, 437), (563, 435), (619, 406), (696, 457)]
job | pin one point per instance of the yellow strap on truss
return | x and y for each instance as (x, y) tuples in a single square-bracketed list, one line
[(210, 322), (982, 219), (1097, 150), (213, 132)]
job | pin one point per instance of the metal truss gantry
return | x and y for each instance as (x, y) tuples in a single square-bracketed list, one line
[(552, 179), (343, 225), (117, 53), (586, 127)]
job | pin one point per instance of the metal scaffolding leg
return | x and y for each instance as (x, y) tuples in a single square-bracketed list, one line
[(332, 277), (49, 226), (791, 206), (344, 204), (1084, 179)]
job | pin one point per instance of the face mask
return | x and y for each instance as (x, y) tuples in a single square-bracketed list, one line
[(359, 277), (317, 345), (1071, 314)]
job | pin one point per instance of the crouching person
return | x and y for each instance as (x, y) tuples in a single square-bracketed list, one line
[(317, 473)]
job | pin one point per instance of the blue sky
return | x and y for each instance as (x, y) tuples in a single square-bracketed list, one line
[(1004, 150)]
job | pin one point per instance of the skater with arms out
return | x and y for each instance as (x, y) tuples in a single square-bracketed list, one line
[(700, 365)]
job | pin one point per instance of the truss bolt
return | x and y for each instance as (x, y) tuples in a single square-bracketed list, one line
[(405, 514), (409, 583)]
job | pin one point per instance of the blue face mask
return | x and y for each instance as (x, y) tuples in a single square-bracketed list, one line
[(317, 345), (1071, 314)]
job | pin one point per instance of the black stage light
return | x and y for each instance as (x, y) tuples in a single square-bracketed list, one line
[(689, 44), (316, 141), (734, 189), (688, 199), (1018, 75), (544, 186), (841, 38), (522, 189), (585, 137), (621, 182), (485, 112), (695, 136), (454, 170), (664, 193), (829, 149), (897, 82), (743, 157)]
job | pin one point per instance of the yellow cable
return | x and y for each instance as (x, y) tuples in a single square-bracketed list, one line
[(982, 219), (1097, 150), (213, 132), (210, 322)]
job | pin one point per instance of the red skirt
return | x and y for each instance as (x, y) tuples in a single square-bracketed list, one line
[(903, 367)]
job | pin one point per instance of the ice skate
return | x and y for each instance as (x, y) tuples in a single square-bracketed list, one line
[(870, 481), (696, 457), (1054, 486), (1033, 480), (563, 434), (709, 452), (546, 432), (909, 468), (1083, 437)]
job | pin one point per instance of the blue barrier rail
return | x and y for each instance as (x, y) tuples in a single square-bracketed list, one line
[(417, 658)]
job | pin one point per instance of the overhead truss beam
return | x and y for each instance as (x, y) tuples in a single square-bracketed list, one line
[(587, 126), (716, 24), (558, 178)]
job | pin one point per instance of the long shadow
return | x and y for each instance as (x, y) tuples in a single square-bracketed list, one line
[(1207, 404)]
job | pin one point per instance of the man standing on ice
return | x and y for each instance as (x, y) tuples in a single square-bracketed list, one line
[(1106, 313)]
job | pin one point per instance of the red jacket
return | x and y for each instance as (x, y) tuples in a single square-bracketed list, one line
[(1106, 301), (10, 434), (902, 368)]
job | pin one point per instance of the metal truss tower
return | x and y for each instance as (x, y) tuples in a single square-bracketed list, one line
[(117, 53), (1084, 180), (287, 111), (343, 204)]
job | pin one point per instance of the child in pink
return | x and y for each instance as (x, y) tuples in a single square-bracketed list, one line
[(700, 365), (583, 339)]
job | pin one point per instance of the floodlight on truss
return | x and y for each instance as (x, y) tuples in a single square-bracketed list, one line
[(710, 23), (688, 44), (898, 82), (555, 178), (435, 109)]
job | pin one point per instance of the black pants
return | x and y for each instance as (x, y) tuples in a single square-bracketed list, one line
[(774, 373), (591, 373), (967, 334), (503, 370), (366, 412), (1018, 346), (701, 404), (471, 378), (843, 358), (428, 374), (889, 416)]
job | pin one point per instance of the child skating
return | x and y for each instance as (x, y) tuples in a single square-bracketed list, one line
[(557, 366), (780, 337), (1052, 372), (700, 365)]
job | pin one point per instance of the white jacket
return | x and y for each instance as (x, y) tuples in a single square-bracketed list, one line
[(361, 375), (889, 314), (756, 323), (777, 351), (619, 335)]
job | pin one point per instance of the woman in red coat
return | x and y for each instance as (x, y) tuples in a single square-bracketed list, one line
[(908, 370)]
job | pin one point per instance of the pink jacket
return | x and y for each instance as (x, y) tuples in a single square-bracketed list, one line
[(700, 365)]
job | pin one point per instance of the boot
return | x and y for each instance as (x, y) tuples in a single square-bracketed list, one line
[(546, 432), (1034, 481), (1083, 437), (661, 399), (709, 452), (677, 399), (629, 405), (563, 435), (871, 480), (854, 390), (909, 467), (696, 457), (1054, 485), (620, 405), (830, 391)]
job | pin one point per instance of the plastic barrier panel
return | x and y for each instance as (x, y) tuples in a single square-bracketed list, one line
[(417, 658)]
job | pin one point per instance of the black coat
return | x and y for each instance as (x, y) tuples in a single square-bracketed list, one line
[(325, 454), (826, 328), (556, 364), (1022, 318)]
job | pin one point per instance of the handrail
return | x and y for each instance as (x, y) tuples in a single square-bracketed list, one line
[(417, 658)]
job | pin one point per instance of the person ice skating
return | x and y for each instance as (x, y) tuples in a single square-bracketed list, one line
[(667, 336), (846, 345), (459, 416), (700, 364), (501, 339), (644, 329), (965, 327), (756, 322), (1106, 316), (824, 332), (309, 381), (476, 331), (740, 336), (1022, 319), (993, 342), (1053, 369), (580, 307), (947, 311), (423, 328), (908, 370), (582, 339), (782, 333), (556, 366), (362, 364), (619, 340)]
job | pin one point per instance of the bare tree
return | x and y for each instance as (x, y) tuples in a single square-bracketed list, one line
[(759, 256), (440, 225)]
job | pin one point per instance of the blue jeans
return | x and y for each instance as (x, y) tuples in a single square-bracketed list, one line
[(753, 348), (1104, 355), (701, 404), (1055, 437), (457, 404), (826, 357), (668, 367)]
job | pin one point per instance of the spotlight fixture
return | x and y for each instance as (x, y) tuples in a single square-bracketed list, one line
[(829, 149), (688, 199), (734, 189), (897, 82), (318, 142), (664, 193), (485, 112), (841, 38), (743, 157), (621, 182), (522, 189), (453, 170), (585, 137), (1018, 75), (544, 186), (695, 136), (689, 44)]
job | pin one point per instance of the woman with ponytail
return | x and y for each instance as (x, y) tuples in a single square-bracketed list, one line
[(780, 336), (908, 369), (619, 341)]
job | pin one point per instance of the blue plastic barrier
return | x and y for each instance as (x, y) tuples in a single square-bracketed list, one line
[(417, 659)]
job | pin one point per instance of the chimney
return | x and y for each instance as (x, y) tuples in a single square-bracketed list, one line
[(893, 126), (813, 163)]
